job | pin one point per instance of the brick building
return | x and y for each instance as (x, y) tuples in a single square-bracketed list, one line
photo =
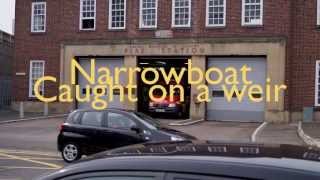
[(279, 39), (6, 59)]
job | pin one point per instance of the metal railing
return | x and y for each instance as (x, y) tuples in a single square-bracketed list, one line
[(5, 92), (6, 39)]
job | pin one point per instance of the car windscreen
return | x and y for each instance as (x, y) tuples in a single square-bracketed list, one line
[(148, 119)]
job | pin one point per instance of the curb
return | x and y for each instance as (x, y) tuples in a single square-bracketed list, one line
[(33, 118), (186, 122), (257, 131), (306, 138)]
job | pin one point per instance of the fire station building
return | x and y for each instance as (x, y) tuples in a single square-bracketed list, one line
[(278, 39)]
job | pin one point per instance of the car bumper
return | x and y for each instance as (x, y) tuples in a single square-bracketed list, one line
[(163, 110)]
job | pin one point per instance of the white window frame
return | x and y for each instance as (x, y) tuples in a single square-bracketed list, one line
[(141, 16), (173, 15), (110, 16), (224, 15), (30, 76), (32, 17), (317, 83), (318, 12), (83, 18), (243, 15)]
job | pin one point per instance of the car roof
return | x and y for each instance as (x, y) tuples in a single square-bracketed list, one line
[(214, 148), (108, 109), (206, 165)]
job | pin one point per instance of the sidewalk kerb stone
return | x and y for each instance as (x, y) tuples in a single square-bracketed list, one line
[(257, 131), (306, 138), (186, 123)]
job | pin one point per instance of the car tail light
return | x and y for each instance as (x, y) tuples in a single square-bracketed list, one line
[(61, 127)]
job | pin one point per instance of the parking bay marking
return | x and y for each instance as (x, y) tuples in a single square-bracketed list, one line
[(26, 152), (27, 167), (34, 158), (51, 165)]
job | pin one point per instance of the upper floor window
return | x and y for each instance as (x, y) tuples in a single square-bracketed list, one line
[(148, 13), (36, 72), (181, 13), (252, 12), (117, 14), (87, 14), (216, 13), (318, 12), (38, 17)]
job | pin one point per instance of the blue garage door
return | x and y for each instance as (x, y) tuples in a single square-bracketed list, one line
[(246, 111)]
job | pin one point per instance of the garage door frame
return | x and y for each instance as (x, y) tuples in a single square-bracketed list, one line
[(240, 56)]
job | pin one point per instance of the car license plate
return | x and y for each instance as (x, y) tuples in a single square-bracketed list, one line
[(160, 110)]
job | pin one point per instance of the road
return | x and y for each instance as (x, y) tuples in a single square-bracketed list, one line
[(28, 149)]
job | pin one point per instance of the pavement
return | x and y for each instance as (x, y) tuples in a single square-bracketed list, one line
[(28, 148), (312, 129), (220, 131), (309, 133), (279, 134), (7, 114)]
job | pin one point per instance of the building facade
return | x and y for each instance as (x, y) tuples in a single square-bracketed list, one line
[(6, 61), (279, 39)]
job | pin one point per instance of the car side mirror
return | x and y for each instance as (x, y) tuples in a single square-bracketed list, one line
[(136, 129)]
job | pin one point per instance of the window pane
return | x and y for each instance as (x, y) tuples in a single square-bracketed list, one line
[(38, 16), (117, 13), (148, 13), (119, 121), (92, 119), (36, 72), (216, 12), (87, 14), (181, 12), (252, 11)]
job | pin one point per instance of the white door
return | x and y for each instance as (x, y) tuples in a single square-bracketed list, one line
[(246, 111), (110, 63)]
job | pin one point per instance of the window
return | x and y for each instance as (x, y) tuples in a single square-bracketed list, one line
[(181, 13), (148, 13), (38, 17), (252, 12), (317, 84), (87, 14), (216, 13), (318, 12), (117, 14), (92, 119), (119, 121), (36, 72)]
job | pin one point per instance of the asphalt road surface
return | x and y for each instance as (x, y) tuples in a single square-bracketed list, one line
[(28, 149)]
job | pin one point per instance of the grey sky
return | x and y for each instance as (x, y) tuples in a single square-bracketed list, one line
[(7, 9)]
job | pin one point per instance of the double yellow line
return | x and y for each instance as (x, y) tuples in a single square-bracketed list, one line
[(47, 165)]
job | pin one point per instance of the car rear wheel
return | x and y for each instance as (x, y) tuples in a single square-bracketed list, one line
[(71, 152)]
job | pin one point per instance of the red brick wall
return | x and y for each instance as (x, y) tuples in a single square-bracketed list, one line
[(305, 50), (291, 19)]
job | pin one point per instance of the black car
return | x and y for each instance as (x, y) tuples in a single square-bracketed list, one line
[(87, 132), (188, 160)]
